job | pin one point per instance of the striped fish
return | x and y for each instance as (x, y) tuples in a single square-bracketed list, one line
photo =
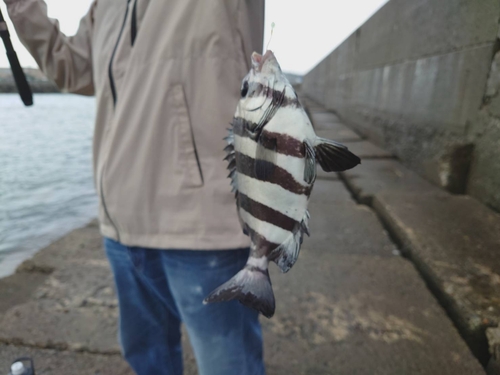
[(272, 153)]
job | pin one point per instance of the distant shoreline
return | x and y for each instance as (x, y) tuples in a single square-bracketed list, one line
[(36, 88), (41, 84), (37, 81)]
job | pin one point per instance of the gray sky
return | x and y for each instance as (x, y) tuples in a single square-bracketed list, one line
[(305, 31)]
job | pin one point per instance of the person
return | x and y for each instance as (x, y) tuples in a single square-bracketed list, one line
[(166, 75)]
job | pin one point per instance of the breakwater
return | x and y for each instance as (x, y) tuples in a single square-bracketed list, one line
[(421, 78), (37, 81)]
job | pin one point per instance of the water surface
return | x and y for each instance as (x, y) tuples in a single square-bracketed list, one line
[(46, 185)]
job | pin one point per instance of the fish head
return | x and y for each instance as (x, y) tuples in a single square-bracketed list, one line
[(257, 88), (266, 64)]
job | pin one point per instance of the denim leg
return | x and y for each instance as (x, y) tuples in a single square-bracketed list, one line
[(226, 337), (149, 326)]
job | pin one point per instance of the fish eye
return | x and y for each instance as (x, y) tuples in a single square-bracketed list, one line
[(244, 89)]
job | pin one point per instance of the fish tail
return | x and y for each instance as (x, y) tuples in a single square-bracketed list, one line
[(251, 286)]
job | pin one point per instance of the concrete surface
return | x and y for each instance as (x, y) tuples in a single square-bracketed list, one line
[(375, 176), (455, 242), (310, 104), (341, 221), (339, 133), (367, 150), (362, 315), (49, 361), (79, 246), (323, 119), (493, 336), (412, 79), (328, 125), (484, 177), (322, 175), (425, 28), (351, 305), (60, 308), (48, 324), (18, 288)]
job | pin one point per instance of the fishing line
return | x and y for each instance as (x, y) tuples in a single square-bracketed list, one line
[(271, 37)]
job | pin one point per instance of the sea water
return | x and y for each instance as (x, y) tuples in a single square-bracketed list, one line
[(46, 183)]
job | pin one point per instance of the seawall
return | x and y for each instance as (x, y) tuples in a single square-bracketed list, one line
[(421, 78)]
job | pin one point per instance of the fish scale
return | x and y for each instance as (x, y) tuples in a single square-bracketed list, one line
[(272, 151)]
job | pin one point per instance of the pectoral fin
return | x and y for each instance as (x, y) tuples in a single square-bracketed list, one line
[(334, 156), (310, 167)]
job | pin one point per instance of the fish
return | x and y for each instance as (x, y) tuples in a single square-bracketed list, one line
[(272, 151)]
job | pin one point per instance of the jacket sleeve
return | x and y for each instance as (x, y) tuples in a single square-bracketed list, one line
[(65, 60)]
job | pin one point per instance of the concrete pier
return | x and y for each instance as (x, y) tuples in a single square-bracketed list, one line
[(353, 304)]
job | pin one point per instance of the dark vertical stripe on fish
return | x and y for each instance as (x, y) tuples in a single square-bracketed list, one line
[(285, 144), (246, 165), (264, 213), (263, 247), (259, 90)]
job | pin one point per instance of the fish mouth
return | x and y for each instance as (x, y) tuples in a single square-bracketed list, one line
[(259, 60)]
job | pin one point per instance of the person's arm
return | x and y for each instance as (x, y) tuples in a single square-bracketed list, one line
[(65, 60)]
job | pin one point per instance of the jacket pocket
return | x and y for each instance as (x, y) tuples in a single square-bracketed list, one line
[(188, 159)]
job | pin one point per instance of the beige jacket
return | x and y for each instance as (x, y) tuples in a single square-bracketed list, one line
[(166, 75)]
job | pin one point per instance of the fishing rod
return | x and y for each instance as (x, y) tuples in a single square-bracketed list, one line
[(23, 87)]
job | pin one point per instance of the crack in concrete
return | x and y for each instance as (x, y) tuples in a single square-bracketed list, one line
[(475, 344), (59, 346)]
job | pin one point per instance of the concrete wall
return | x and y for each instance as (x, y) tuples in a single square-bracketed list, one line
[(413, 79)]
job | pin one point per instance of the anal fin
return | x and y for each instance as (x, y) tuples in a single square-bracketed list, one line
[(287, 253)]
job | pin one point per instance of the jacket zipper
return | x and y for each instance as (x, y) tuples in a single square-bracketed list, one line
[(133, 30), (110, 68), (113, 92)]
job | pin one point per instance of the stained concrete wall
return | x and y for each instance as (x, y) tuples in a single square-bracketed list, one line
[(413, 79)]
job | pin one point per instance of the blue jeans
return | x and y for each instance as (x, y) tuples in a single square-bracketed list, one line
[(157, 289)]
